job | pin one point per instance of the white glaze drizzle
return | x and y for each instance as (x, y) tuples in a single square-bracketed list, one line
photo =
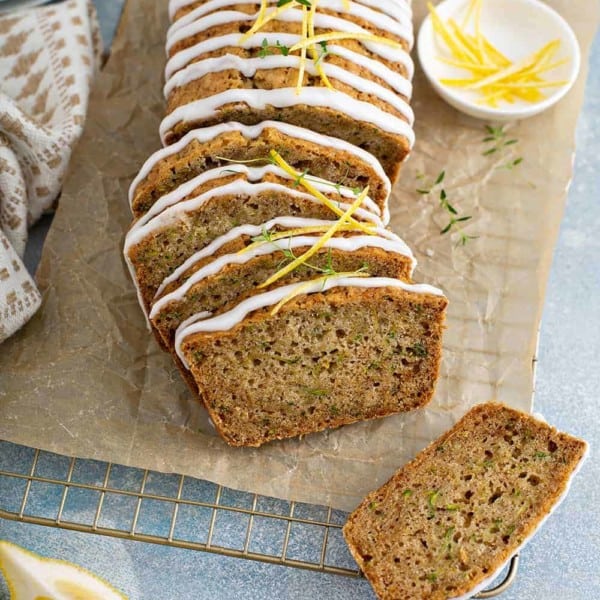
[(230, 319), (346, 244), (294, 15), (255, 230), (253, 174), (399, 10), (249, 66), (489, 580), (253, 132), (237, 187), (184, 57), (320, 97)]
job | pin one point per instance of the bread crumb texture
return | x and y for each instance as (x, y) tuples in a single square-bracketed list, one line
[(454, 515)]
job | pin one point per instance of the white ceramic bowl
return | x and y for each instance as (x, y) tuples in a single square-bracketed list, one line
[(517, 28)]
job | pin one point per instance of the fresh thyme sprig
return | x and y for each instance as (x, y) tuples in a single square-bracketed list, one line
[(429, 188), (303, 2), (454, 218), (267, 49), (511, 164), (497, 137)]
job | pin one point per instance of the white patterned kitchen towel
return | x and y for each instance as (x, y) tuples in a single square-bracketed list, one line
[(48, 57)]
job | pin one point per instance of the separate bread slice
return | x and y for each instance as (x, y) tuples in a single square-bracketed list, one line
[(346, 349), (445, 525)]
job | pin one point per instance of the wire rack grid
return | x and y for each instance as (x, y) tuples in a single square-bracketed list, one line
[(94, 497)]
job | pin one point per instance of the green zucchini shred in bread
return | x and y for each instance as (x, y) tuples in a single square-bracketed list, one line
[(452, 517)]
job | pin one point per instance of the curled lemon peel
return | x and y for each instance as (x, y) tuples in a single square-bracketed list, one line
[(262, 18), (493, 75), (322, 241), (302, 66)]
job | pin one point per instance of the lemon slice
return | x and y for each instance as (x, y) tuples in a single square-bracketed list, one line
[(33, 577)]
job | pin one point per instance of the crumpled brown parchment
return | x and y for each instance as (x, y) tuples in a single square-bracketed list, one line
[(85, 378)]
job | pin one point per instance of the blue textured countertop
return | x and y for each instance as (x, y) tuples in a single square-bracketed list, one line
[(559, 564)]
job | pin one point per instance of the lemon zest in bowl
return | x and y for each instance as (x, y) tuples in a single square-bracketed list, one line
[(493, 75)]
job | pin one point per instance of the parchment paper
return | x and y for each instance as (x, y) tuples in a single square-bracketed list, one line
[(85, 378)]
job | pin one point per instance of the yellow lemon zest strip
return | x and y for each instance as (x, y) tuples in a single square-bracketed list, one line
[(459, 51), (548, 67), (324, 239), (276, 157), (472, 5), (467, 65), (532, 85), (302, 66), (318, 60), (461, 83), (288, 233), (467, 42), (494, 54), (307, 284), (262, 19)]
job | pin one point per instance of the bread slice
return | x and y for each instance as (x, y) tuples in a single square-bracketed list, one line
[(201, 150), (344, 350), (444, 525), (215, 285), (161, 241)]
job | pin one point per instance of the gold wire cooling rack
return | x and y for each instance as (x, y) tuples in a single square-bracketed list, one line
[(176, 510)]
